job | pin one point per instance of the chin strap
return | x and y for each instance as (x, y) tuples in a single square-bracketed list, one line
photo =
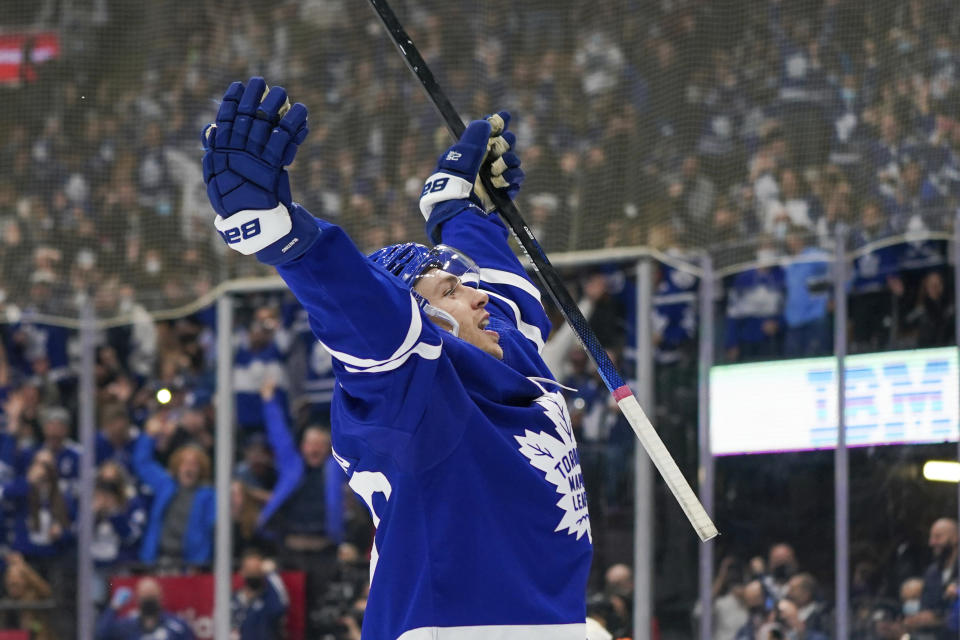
[(440, 314)]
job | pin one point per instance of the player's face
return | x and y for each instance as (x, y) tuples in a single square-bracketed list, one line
[(467, 306)]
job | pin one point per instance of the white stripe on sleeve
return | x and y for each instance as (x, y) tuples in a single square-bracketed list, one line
[(422, 349), (530, 332), (407, 347), (498, 276)]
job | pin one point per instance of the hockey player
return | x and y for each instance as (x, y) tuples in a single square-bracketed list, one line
[(445, 418)]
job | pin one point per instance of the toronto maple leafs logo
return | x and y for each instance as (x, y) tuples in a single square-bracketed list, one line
[(557, 457)]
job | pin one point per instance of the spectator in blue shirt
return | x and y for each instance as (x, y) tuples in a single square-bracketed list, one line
[(307, 500), (149, 620), (183, 513), (43, 529), (305, 513), (258, 357), (120, 516), (876, 287), (914, 196), (755, 309), (43, 515), (674, 314), (116, 437), (40, 347), (804, 92), (256, 469), (13, 403), (258, 607), (807, 331), (320, 382), (788, 621), (66, 453)]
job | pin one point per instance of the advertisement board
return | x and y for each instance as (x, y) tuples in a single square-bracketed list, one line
[(191, 598), (20, 53)]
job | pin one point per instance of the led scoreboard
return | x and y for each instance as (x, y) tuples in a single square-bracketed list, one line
[(895, 397)]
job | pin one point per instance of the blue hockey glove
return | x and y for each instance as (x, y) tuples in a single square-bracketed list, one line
[(255, 137), (484, 146), (457, 168)]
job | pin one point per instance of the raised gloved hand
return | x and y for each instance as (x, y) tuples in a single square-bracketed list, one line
[(501, 163), (485, 146), (255, 137)]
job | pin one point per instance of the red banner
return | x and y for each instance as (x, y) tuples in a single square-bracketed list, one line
[(14, 635), (191, 598), (37, 48)]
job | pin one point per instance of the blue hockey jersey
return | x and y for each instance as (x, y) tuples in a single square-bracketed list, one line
[(319, 380), (250, 370), (674, 313), (468, 464)]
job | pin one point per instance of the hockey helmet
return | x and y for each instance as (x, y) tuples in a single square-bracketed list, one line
[(409, 261)]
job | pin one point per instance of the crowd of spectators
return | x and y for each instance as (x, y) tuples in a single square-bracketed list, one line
[(153, 502), (679, 125), (773, 596), (756, 130)]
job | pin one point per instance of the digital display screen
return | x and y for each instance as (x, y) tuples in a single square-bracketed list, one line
[(896, 397)]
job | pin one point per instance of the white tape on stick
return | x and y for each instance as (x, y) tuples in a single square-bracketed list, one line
[(667, 467)]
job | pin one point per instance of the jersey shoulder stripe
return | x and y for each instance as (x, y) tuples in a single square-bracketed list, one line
[(411, 345), (499, 276), (529, 331)]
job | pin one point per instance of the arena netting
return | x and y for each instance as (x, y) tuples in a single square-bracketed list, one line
[(754, 132), (678, 126)]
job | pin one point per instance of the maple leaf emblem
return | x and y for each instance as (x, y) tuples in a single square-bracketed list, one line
[(557, 457)]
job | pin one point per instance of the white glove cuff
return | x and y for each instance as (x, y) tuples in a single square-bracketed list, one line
[(441, 187), (251, 230)]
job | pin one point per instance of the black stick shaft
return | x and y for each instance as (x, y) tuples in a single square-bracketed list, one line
[(545, 271)]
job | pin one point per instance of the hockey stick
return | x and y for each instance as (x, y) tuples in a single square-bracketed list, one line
[(554, 285)]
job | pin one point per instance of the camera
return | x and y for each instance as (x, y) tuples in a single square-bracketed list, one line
[(335, 604)]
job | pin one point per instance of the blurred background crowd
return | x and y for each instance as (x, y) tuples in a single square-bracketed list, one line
[(674, 125), (153, 502), (759, 131)]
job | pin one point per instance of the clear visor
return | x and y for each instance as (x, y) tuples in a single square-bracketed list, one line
[(449, 260)]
